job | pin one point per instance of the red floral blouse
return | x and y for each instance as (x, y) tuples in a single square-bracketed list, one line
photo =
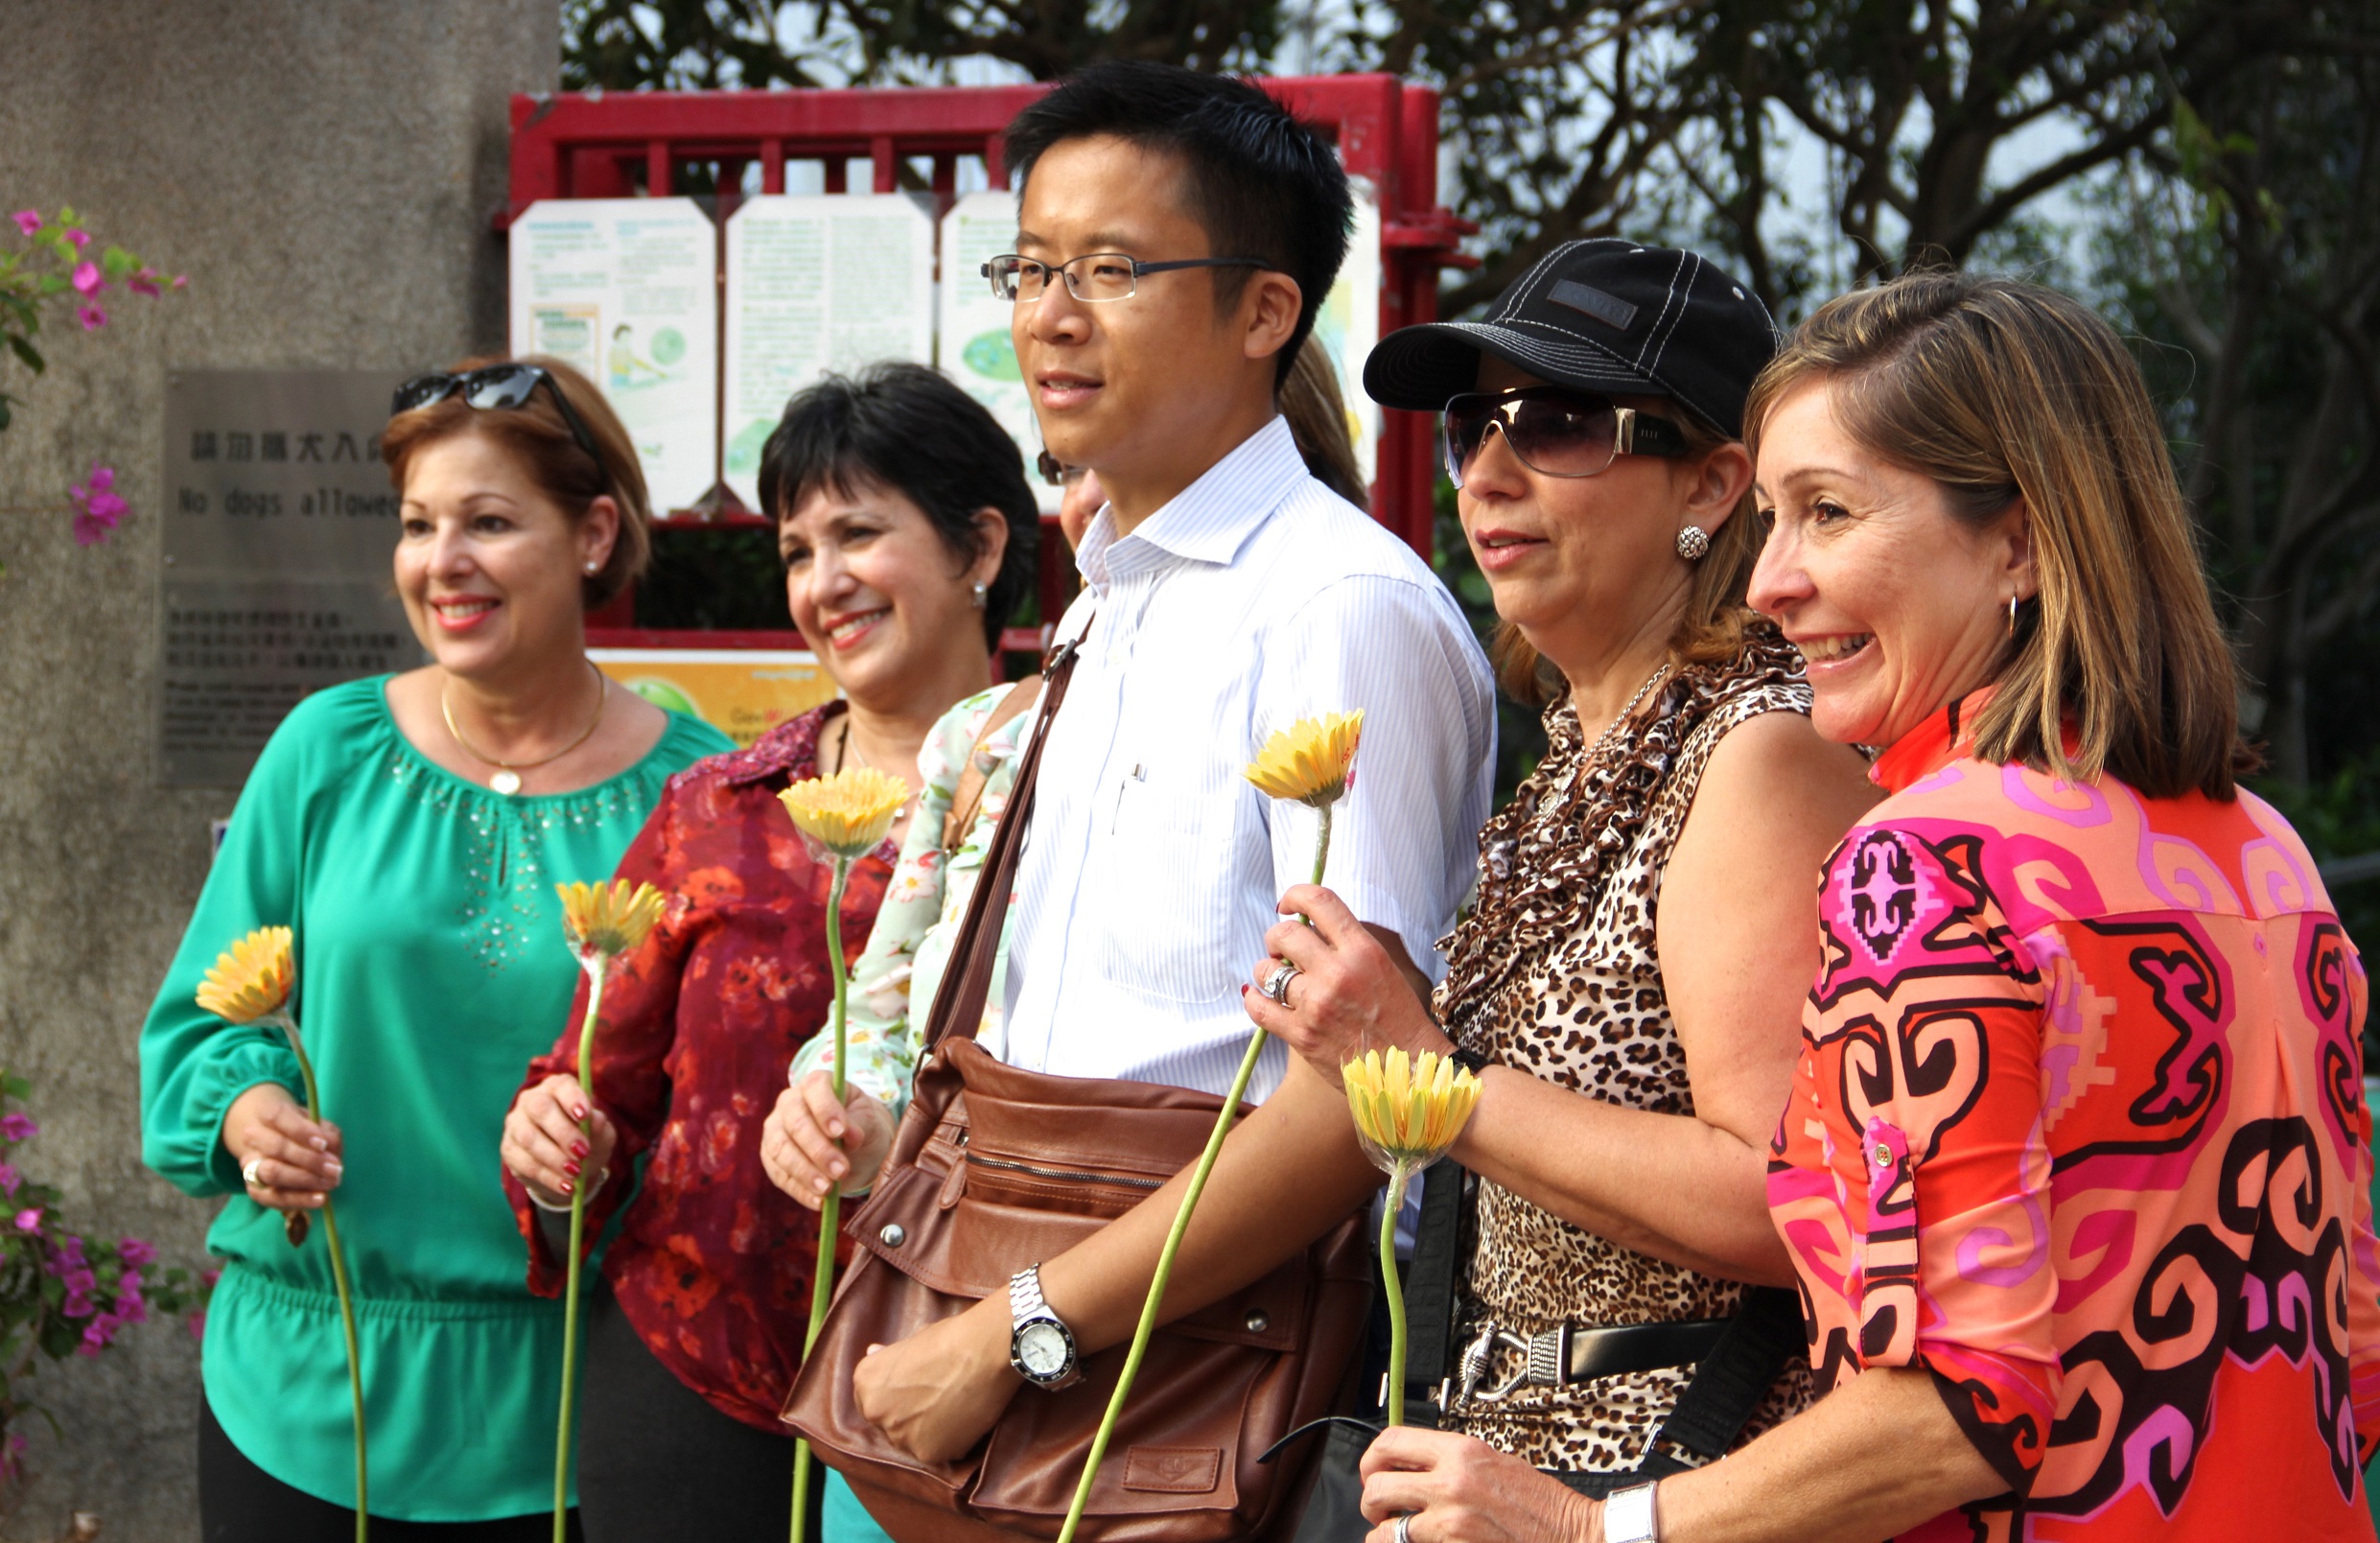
[(712, 1264)]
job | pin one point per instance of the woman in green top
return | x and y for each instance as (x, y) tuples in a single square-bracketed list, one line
[(411, 830)]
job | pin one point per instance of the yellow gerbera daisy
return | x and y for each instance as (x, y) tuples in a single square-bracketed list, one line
[(848, 813), (1412, 1110), (1311, 760), (252, 978), (608, 918)]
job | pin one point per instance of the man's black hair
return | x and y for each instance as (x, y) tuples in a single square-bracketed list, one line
[(906, 428), (1261, 183)]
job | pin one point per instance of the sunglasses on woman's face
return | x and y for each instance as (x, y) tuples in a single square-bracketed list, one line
[(497, 386), (1554, 430)]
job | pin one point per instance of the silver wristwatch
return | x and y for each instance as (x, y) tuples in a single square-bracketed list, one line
[(1040, 1344), (1628, 1516)]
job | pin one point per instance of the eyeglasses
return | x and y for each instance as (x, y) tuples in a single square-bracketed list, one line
[(1057, 472), (1554, 430), (499, 386), (1095, 276)]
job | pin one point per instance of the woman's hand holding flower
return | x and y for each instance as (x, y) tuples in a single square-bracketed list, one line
[(543, 1146), (294, 1159), (1459, 1490), (810, 1143), (1348, 995)]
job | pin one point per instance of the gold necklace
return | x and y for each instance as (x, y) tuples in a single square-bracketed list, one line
[(507, 779)]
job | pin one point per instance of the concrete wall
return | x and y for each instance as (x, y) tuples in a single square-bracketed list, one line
[(324, 171)]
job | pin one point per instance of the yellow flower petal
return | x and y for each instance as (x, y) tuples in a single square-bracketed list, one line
[(1311, 760), (849, 813), (252, 978), (1410, 1108), (608, 918)]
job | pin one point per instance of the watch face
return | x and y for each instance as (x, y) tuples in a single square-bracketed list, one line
[(1042, 1349)]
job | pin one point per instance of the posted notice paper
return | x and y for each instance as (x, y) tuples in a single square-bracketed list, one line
[(817, 282), (624, 288), (977, 348)]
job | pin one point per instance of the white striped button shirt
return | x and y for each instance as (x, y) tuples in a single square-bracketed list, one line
[(1254, 597)]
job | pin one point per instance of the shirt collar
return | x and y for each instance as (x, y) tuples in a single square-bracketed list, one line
[(1939, 739), (1208, 520)]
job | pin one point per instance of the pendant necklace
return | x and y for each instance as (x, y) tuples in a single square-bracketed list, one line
[(506, 780)]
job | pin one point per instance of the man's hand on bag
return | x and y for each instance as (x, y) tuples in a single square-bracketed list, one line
[(1350, 992), (809, 1142), (1459, 1490), (936, 1393)]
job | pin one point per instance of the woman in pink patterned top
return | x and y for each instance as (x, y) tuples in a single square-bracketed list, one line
[(2075, 1172)]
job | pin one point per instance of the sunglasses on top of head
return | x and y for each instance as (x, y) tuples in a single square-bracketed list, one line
[(1554, 430), (497, 386)]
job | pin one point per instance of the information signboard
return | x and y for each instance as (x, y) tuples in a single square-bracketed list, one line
[(742, 693), (626, 290), (817, 283), (977, 350), (279, 531)]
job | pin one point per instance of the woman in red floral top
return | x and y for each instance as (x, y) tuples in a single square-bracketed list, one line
[(2075, 1170), (907, 531)]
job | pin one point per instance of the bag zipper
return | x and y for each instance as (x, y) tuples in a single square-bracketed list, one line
[(1037, 1172)]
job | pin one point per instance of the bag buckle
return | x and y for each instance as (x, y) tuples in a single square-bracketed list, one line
[(1543, 1359)]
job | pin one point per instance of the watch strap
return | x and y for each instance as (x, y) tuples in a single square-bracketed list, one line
[(1024, 1295), (1630, 1516)]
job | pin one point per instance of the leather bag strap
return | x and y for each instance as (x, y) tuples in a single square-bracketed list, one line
[(967, 980)]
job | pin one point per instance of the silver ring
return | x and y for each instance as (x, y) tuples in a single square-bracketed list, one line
[(1276, 984), (1405, 1528), (248, 1171)]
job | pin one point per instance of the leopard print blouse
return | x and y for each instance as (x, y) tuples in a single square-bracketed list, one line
[(1556, 973)]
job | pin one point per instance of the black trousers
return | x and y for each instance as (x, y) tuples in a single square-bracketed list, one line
[(241, 1502), (658, 1465)]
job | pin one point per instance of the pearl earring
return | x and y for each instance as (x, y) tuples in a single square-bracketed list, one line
[(1692, 541), (981, 591), (591, 566)]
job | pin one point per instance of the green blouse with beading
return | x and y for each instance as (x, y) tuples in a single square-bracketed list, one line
[(431, 969)]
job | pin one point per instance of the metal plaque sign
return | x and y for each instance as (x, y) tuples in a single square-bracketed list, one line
[(280, 527)]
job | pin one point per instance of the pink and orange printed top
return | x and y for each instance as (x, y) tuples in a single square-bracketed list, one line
[(2079, 1126)]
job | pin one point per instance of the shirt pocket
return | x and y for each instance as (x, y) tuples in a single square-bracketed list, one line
[(1168, 904)]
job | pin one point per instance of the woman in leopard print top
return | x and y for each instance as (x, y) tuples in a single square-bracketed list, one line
[(1633, 968)]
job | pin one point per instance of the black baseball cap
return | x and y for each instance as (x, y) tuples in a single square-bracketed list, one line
[(1600, 316)]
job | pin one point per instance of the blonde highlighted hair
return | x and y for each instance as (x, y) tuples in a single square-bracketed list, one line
[(2003, 391)]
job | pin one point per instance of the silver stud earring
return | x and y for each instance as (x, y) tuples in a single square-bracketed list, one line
[(591, 566), (981, 592), (1692, 541)]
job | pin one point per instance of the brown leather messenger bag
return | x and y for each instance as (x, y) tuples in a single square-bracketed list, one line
[(995, 1168)]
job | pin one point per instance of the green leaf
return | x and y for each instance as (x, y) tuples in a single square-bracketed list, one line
[(27, 352), (51, 283), (117, 263), (5, 417)]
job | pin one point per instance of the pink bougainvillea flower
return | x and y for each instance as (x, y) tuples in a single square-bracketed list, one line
[(181, 281), (136, 1254), (10, 1178), (77, 1305), (79, 238), (29, 1220), (18, 1127), (28, 220), (91, 316), (87, 278), (98, 509), (198, 1324), (143, 282)]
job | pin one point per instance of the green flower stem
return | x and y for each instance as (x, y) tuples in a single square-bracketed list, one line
[(830, 1213), (1399, 1178), (579, 1231), (339, 1278), (1157, 1286)]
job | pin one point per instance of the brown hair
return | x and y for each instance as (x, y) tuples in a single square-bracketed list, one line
[(1317, 420), (535, 433), (1709, 631), (2001, 391)]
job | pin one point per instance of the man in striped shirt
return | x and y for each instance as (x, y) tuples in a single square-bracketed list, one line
[(1177, 234)]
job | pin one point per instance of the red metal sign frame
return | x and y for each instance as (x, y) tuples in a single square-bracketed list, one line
[(593, 144)]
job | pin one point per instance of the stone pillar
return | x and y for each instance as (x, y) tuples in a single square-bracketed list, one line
[(325, 171)]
